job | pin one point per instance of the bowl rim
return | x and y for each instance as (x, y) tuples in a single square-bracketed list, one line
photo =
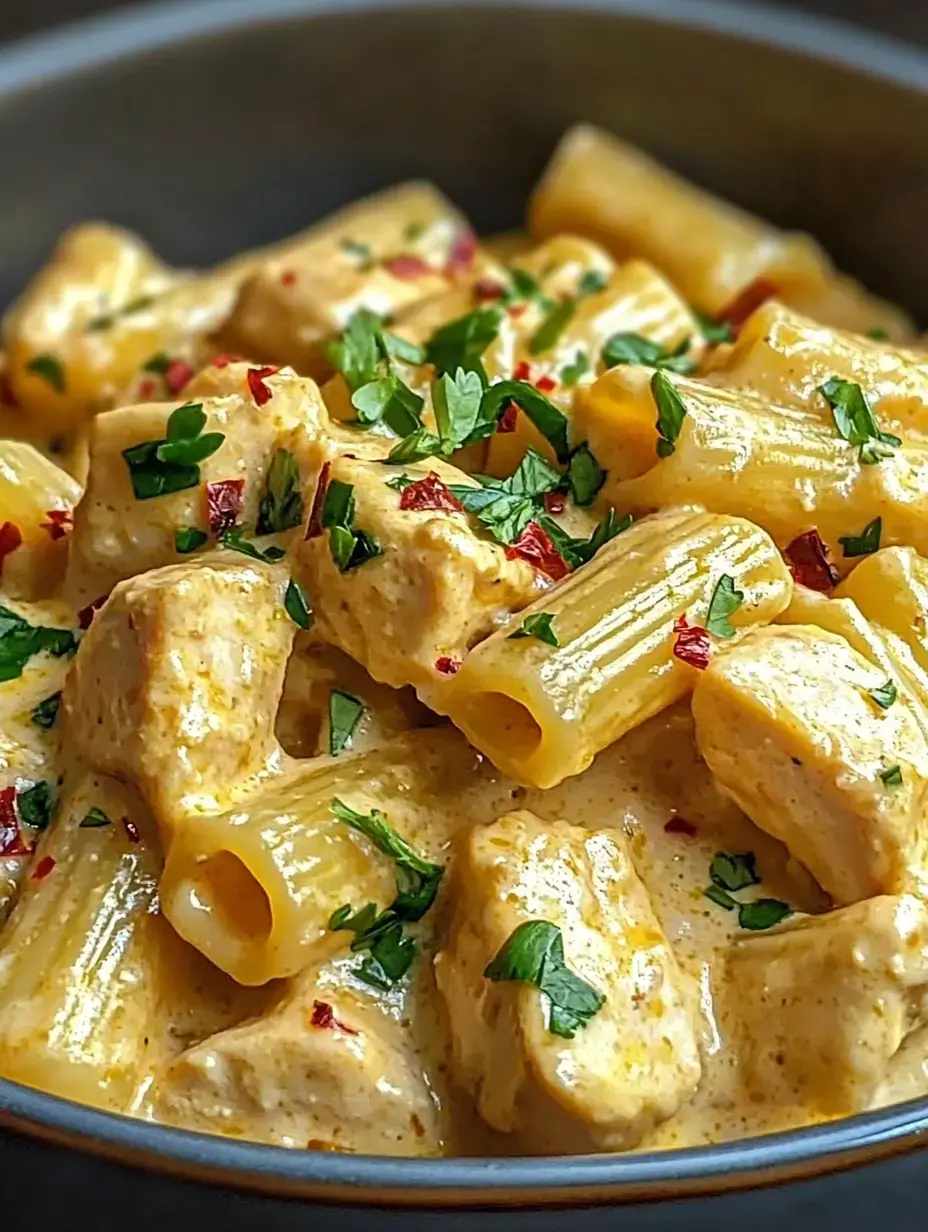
[(92, 43)]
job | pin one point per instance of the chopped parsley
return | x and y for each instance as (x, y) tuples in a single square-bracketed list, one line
[(296, 604), (578, 552), (158, 363), (866, 542), (671, 413), (550, 421), (364, 356), (592, 282), (281, 506), (878, 334), (157, 468), (462, 342), (94, 818), (534, 955), (35, 804), (187, 539), (584, 475), (349, 547), (735, 871), (551, 328), (235, 541), (19, 641), (524, 287), (892, 776), (625, 348), (724, 603), (50, 369), (730, 873), (345, 711), (45, 713), (571, 373), (538, 626), (506, 506), (856, 422), (885, 695), (361, 252), (763, 913), (712, 330)]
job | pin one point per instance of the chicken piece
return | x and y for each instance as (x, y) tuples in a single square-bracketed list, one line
[(819, 1007), (177, 679), (36, 499), (636, 1061), (427, 589), (314, 674), (383, 254), (808, 738), (327, 1068), (117, 536)]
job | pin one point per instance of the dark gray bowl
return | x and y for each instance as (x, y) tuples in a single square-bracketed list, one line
[(211, 126)]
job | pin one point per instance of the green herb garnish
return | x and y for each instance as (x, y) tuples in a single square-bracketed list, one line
[(187, 539), (712, 330), (578, 552), (349, 547), (866, 542), (234, 539), (856, 422), (19, 641), (892, 776), (763, 913), (724, 602), (885, 695), (157, 468), (35, 804), (571, 373), (624, 348), (592, 282), (585, 476), (671, 413), (539, 626), (281, 506), (506, 506), (50, 369), (94, 818), (297, 604), (46, 712), (734, 871), (345, 711), (462, 342), (552, 327)]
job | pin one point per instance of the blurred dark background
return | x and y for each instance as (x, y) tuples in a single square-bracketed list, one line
[(907, 19)]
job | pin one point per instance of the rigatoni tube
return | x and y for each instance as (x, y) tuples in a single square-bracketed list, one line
[(542, 713)]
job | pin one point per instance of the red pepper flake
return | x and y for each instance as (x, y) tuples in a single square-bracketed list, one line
[(535, 546), (223, 361), (429, 493), (132, 830), (461, 254), (555, 503), (507, 421), (259, 391), (86, 614), (10, 539), (488, 288), (406, 266), (447, 666), (516, 310), (147, 388), (11, 839), (177, 375), (224, 503), (59, 521), (692, 645), (43, 868), (314, 525), (288, 278), (417, 1127), (523, 371), (748, 301), (324, 1016), (679, 825), (808, 562), (545, 384)]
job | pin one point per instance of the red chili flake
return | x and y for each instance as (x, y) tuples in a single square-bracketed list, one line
[(461, 254), (523, 371), (324, 1016), (10, 539), (748, 301), (43, 868), (692, 645), (406, 266), (314, 525), (86, 614), (679, 825), (147, 389), (132, 830), (259, 391), (11, 839), (545, 384), (224, 504), (808, 562), (507, 421), (447, 666), (288, 278), (429, 493), (59, 520), (516, 310), (177, 375), (223, 361), (555, 503), (488, 288), (535, 546)]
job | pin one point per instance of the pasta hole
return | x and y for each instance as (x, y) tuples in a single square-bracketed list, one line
[(236, 897), (513, 725)]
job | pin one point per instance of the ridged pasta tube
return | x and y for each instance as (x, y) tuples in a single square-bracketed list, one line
[(891, 589), (542, 713)]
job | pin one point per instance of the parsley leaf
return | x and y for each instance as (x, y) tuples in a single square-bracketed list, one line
[(399, 483), (345, 711), (296, 604), (364, 355), (534, 955), (734, 871), (552, 327), (157, 468), (671, 413), (584, 475), (19, 641), (720, 897), (856, 422), (885, 695), (578, 552), (592, 282), (524, 286), (538, 626), (417, 879), (187, 539), (390, 401), (506, 506), (46, 712), (34, 805), (357, 353), (625, 348), (550, 421), (234, 539), (571, 373), (361, 252), (281, 506), (892, 776), (94, 818), (877, 334), (418, 445), (762, 913), (713, 331), (462, 342), (456, 401), (349, 547), (724, 602), (158, 363), (866, 542), (50, 369)]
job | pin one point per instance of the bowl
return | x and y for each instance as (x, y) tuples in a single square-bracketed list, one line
[(211, 127)]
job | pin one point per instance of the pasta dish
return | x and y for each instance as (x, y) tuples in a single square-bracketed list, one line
[(467, 696)]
